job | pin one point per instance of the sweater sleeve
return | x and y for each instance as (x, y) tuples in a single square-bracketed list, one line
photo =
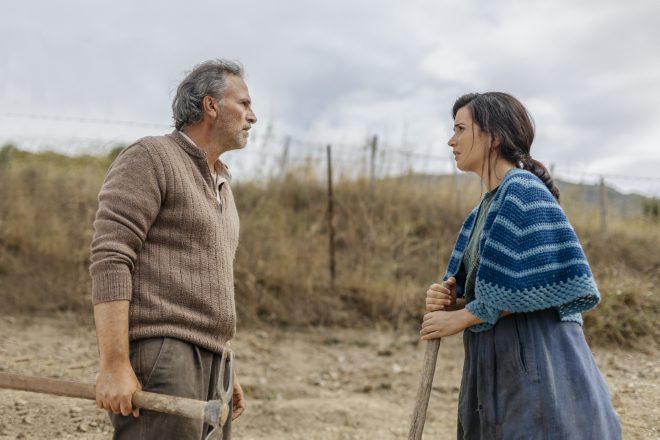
[(129, 202), (531, 258)]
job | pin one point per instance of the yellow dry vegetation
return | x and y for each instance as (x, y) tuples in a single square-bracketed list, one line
[(392, 239)]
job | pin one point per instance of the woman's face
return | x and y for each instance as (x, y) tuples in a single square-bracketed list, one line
[(469, 144)]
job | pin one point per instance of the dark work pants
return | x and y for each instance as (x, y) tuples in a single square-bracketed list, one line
[(174, 367)]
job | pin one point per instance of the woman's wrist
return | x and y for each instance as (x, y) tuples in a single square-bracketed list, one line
[(468, 318)]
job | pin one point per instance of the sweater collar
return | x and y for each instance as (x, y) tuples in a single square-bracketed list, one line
[(187, 145), (219, 167)]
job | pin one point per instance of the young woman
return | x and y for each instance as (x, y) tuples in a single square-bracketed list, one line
[(522, 282)]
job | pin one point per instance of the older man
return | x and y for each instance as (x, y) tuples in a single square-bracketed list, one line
[(165, 237)]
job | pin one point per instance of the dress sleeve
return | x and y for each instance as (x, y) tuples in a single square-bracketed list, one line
[(129, 202)]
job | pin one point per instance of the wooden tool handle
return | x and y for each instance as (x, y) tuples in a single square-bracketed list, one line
[(57, 387), (210, 412), (424, 392)]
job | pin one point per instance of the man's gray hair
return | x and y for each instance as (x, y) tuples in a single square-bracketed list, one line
[(206, 79)]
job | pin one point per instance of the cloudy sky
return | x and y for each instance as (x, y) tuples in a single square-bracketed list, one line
[(339, 71)]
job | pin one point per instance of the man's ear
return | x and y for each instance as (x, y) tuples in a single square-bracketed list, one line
[(210, 106)]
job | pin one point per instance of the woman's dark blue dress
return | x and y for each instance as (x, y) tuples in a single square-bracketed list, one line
[(531, 376)]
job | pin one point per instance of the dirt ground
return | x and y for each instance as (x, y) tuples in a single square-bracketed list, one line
[(301, 384)]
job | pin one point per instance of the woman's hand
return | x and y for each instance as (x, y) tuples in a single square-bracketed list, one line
[(441, 296), (440, 324)]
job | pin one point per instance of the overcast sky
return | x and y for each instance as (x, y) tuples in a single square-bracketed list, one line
[(339, 71)]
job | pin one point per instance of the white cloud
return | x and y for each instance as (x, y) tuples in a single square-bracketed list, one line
[(338, 71)]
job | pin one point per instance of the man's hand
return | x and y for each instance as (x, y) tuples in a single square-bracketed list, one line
[(239, 400), (115, 386), (116, 381), (441, 296)]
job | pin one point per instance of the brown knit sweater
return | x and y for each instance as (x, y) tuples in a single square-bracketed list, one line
[(163, 242)]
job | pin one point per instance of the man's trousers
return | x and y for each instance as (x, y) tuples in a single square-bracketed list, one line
[(178, 368)]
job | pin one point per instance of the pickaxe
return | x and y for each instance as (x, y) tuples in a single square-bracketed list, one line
[(213, 412)]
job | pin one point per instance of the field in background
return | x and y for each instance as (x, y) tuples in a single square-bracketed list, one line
[(392, 236)]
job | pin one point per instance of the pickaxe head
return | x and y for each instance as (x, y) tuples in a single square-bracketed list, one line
[(219, 410)]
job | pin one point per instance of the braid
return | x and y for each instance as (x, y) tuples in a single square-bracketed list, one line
[(540, 171)]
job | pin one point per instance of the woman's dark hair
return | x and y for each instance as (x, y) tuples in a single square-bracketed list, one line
[(507, 120)]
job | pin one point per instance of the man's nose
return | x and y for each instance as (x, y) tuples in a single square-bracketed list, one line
[(251, 117)]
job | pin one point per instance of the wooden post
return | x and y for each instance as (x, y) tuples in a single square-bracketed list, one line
[(285, 155), (372, 163), (267, 136), (457, 190), (331, 226), (603, 205)]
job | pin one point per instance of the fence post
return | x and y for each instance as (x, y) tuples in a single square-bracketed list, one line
[(457, 191), (268, 135), (603, 205), (285, 155), (372, 163), (331, 226)]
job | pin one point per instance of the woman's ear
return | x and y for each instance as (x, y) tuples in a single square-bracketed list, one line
[(494, 141)]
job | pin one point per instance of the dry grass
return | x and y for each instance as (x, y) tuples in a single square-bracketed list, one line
[(391, 242), (47, 204), (626, 265), (388, 245)]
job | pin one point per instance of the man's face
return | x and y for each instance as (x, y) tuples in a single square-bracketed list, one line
[(235, 116)]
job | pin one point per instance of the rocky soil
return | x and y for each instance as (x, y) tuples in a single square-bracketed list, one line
[(301, 384)]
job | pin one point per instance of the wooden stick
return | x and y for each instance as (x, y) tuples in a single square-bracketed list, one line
[(212, 412), (331, 221), (424, 392)]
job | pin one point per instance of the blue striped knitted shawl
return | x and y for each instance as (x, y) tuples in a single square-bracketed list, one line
[(530, 257)]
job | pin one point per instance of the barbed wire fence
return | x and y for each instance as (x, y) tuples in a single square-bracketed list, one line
[(271, 155)]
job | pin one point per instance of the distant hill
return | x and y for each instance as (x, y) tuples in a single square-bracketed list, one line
[(626, 205)]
